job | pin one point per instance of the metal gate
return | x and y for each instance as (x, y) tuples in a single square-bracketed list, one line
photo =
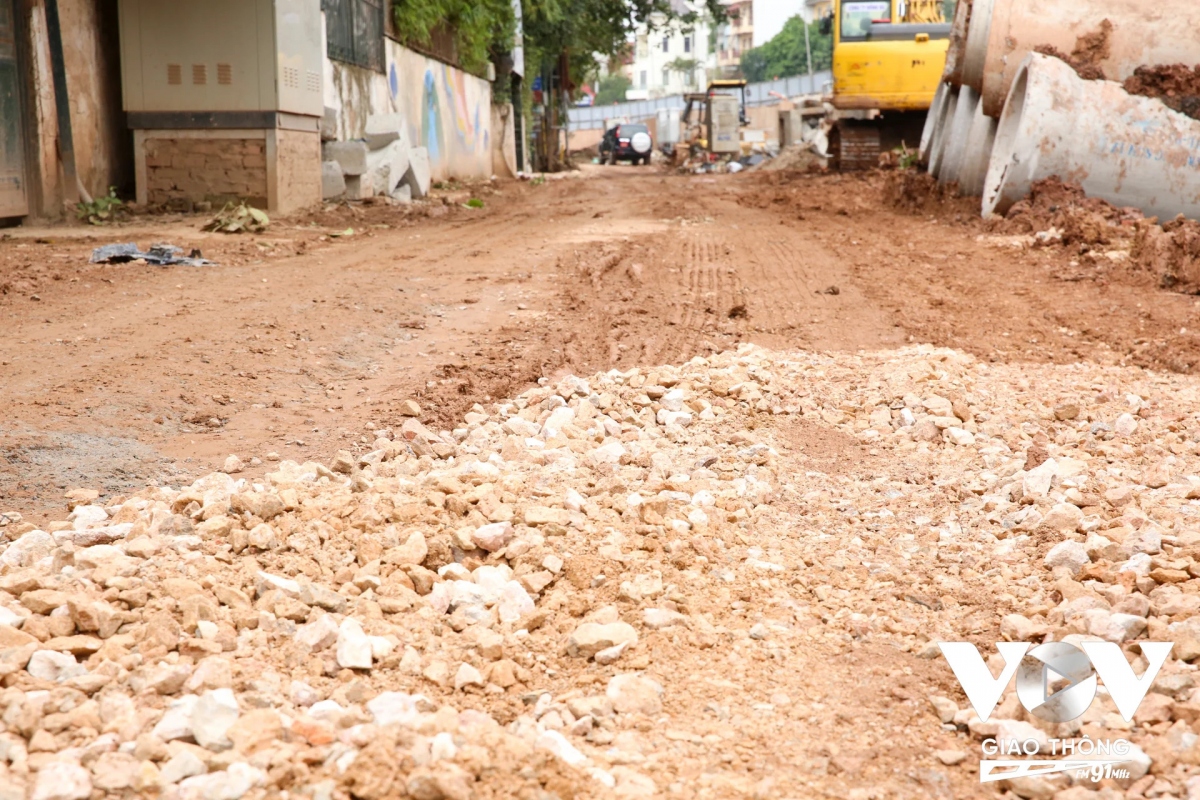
[(13, 201)]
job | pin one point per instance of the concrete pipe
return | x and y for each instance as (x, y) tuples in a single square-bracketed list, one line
[(975, 49), (1130, 151), (932, 119), (1143, 33), (977, 154), (941, 131), (956, 139), (958, 43)]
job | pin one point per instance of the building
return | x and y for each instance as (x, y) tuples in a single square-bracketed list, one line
[(671, 57), (736, 36), (753, 23), (186, 105)]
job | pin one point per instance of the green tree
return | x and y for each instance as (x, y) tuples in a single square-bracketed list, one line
[(612, 89), (784, 56), (480, 27)]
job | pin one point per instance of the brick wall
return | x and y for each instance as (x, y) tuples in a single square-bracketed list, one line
[(185, 170)]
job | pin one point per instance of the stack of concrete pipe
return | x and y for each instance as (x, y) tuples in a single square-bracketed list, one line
[(1005, 117)]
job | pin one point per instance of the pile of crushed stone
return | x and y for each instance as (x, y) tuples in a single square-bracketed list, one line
[(724, 579)]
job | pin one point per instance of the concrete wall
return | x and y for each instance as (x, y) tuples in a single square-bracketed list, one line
[(354, 94), (447, 110), (103, 146), (504, 142)]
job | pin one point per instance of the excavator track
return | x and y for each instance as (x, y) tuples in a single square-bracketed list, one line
[(855, 145)]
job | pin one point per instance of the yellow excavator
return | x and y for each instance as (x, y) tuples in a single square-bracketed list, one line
[(888, 58)]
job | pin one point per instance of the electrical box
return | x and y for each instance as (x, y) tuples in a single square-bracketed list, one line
[(723, 124), (222, 56)]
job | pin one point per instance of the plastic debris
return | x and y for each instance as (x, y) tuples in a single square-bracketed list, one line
[(160, 255)]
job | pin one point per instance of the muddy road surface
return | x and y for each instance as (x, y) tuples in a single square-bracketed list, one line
[(626, 484), (314, 335)]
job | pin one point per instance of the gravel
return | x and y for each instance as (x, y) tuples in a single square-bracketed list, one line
[(636, 583)]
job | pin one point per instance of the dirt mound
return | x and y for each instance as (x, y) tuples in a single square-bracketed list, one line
[(916, 192), (1064, 207), (1091, 50), (795, 158), (1171, 251), (1177, 85)]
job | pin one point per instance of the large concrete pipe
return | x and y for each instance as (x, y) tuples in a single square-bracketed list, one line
[(977, 154), (932, 120), (1143, 33), (941, 132), (958, 42), (1128, 150), (956, 139), (975, 48)]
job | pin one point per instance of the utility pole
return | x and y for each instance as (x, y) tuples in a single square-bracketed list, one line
[(808, 52)]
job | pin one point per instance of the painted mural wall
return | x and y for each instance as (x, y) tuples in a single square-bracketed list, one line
[(448, 111)]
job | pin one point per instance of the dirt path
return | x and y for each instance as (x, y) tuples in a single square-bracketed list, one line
[(696, 577), (302, 343)]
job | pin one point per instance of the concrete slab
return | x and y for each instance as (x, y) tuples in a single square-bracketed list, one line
[(333, 183), (383, 129), (388, 165), (352, 156), (329, 125), (418, 177), (359, 187)]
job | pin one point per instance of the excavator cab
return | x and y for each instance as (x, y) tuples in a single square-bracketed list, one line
[(732, 85), (888, 58)]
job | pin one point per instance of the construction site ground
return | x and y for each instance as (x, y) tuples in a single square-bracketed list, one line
[(710, 578), (304, 339)]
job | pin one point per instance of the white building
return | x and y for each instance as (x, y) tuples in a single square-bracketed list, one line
[(671, 57), (753, 23)]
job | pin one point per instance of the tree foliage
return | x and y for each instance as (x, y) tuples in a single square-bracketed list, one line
[(478, 26), (612, 89), (581, 28), (784, 56), (585, 28)]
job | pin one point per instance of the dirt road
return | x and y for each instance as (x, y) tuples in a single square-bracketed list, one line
[(692, 577), (303, 340)]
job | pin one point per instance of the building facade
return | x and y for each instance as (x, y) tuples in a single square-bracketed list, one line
[(736, 36), (753, 23), (93, 95), (671, 57)]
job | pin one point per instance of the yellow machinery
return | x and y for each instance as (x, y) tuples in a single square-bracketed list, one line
[(888, 58), (721, 113)]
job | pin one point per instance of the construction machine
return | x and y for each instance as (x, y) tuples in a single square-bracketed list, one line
[(888, 58), (712, 121)]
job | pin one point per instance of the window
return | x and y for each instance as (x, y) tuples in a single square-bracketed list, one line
[(355, 32), (687, 44), (857, 18), (666, 77), (642, 82), (666, 44)]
